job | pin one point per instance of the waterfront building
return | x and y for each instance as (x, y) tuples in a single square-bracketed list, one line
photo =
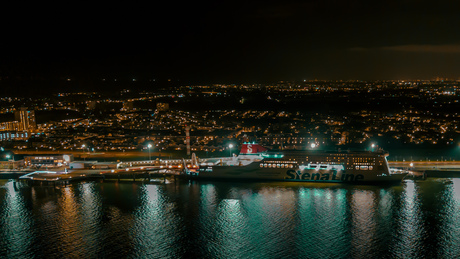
[(48, 160)]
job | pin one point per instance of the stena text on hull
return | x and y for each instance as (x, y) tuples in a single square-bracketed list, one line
[(255, 162)]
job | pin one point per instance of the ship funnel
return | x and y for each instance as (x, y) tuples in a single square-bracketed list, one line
[(251, 148)]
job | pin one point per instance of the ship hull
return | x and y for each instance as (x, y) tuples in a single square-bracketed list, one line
[(254, 172)]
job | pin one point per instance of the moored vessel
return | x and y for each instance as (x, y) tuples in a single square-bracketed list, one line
[(255, 162)]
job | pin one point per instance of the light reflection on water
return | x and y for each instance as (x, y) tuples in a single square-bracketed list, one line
[(15, 223), (228, 220), (410, 230), (155, 224), (450, 221), (363, 220)]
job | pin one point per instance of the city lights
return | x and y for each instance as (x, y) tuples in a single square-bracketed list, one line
[(286, 129)]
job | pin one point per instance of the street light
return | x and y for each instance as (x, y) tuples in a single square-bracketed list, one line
[(83, 150), (373, 146), (230, 146), (149, 146)]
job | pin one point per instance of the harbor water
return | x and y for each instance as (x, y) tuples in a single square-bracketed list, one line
[(418, 219)]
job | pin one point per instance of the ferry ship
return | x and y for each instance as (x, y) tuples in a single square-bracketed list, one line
[(255, 162)]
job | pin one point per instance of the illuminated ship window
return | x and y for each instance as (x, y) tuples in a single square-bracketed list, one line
[(265, 165), (371, 167), (364, 167), (270, 165), (357, 167), (261, 165), (278, 165), (282, 165), (291, 166)]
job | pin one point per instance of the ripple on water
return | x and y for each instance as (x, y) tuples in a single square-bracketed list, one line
[(231, 220)]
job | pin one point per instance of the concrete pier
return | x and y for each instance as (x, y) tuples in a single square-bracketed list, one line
[(430, 168), (64, 178)]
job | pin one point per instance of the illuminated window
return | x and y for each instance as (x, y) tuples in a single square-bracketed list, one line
[(371, 167)]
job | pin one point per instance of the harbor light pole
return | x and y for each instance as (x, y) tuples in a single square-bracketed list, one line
[(83, 150), (149, 146), (230, 146)]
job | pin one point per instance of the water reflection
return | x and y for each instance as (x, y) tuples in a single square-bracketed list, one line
[(228, 220), (322, 230), (231, 237), (16, 223), (68, 220), (410, 232), (155, 232), (90, 214), (450, 223), (363, 210)]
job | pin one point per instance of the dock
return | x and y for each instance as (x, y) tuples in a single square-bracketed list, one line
[(150, 170), (438, 169), (129, 171)]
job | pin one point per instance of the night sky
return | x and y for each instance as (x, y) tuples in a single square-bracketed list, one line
[(229, 41)]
